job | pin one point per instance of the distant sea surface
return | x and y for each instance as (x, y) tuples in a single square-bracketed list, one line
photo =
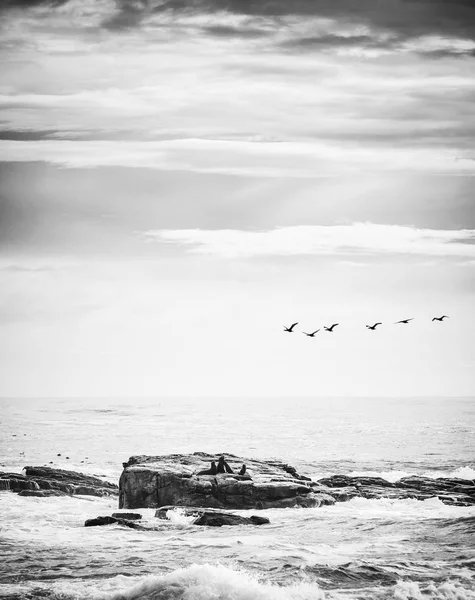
[(362, 549)]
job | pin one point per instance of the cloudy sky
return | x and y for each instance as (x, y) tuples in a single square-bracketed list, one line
[(181, 178)]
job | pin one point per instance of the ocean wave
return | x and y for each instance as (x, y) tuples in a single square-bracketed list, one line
[(467, 472), (411, 590), (207, 582), (397, 508), (198, 582), (179, 518), (352, 575)]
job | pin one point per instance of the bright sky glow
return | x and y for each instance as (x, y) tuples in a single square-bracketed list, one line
[(178, 180)]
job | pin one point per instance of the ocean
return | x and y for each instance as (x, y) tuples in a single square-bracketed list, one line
[(361, 549)]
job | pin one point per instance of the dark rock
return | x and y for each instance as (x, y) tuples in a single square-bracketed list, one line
[(256, 520), (127, 515), (457, 492), (100, 521), (41, 493), (211, 517), (155, 481), (17, 484), (110, 521), (59, 481)]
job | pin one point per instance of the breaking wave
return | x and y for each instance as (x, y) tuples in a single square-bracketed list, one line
[(198, 582), (466, 472), (207, 582)]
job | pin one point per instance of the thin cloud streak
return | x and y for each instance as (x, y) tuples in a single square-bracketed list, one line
[(260, 159), (358, 238)]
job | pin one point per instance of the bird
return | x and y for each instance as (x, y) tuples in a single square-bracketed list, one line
[(311, 334), (373, 327), (290, 329), (330, 329), (441, 318), (405, 321)]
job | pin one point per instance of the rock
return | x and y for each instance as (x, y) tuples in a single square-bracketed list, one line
[(457, 492), (42, 493), (18, 484), (212, 517), (112, 520), (155, 481), (58, 482), (100, 521), (127, 515)]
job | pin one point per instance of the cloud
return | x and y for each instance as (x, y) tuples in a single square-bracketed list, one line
[(12, 4), (25, 269), (228, 31), (343, 240), (259, 159), (334, 41), (405, 17)]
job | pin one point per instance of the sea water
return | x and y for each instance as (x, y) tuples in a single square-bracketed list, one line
[(402, 549)]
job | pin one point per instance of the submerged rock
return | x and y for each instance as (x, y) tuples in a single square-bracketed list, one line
[(212, 517), (456, 492), (127, 515), (98, 521), (56, 482), (155, 481)]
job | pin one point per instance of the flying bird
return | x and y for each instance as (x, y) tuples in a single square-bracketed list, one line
[(441, 318), (330, 329), (405, 321), (311, 334), (290, 329), (373, 327)]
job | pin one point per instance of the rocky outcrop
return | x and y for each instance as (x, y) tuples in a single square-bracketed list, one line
[(456, 492), (98, 521), (156, 481), (127, 515), (46, 481), (212, 517)]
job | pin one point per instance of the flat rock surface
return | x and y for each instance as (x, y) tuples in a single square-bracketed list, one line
[(46, 481), (457, 492), (155, 481), (212, 517)]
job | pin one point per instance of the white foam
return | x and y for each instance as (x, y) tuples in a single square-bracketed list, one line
[(197, 582), (409, 508), (391, 476), (410, 590), (467, 472), (179, 518)]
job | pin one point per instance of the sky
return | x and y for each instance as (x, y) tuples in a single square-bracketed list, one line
[(180, 179)]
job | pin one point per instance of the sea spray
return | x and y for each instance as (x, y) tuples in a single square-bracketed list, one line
[(197, 582)]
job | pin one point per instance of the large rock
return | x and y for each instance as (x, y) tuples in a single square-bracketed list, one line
[(212, 517), (56, 482), (155, 481), (457, 492), (99, 521)]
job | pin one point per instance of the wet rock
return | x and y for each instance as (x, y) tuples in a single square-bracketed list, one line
[(457, 492), (98, 521), (212, 517), (18, 484), (41, 493), (58, 482), (127, 515), (4, 485), (155, 481)]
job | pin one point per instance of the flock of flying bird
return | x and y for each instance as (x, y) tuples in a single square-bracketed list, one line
[(372, 327)]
